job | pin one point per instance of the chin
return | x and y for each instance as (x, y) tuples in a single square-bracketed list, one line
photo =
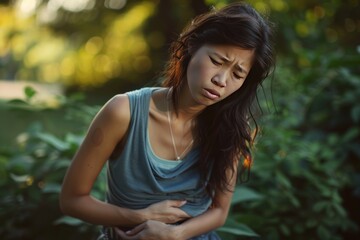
[(208, 102)]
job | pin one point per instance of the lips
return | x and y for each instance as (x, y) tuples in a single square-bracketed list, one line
[(211, 93)]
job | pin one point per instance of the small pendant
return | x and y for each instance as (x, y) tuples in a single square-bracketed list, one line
[(178, 159)]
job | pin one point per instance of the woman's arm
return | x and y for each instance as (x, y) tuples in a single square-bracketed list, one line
[(212, 219), (105, 132)]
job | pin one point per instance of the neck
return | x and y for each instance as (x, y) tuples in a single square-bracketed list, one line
[(187, 108), (186, 122)]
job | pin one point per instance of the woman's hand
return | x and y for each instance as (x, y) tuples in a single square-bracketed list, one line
[(149, 230), (167, 211)]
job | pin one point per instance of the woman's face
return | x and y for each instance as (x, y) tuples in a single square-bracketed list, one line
[(216, 71)]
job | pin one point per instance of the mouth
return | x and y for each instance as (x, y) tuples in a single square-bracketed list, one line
[(211, 93)]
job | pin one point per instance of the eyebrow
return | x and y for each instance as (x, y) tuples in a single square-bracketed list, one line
[(225, 59)]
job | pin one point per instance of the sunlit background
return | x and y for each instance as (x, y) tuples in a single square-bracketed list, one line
[(60, 60), (87, 43)]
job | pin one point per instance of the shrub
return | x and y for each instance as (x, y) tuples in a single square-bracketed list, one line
[(31, 176), (308, 155)]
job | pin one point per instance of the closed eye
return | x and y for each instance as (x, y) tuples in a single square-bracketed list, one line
[(215, 62), (237, 76)]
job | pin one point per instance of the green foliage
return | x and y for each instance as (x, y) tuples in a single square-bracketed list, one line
[(30, 181), (234, 227), (308, 155), (29, 92)]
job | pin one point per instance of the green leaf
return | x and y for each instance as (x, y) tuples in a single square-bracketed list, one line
[(240, 230), (237, 231), (243, 194), (351, 135), (54, 141), (355, 148), (285, 229), (355, 114), (78, 96), (319, 206), (69, 221), (339, 209), (52, 188), (17, 101), (282, 179), (295, 202), (35, 128), (74, 139), (233, 227), (61, 163), (20, 164), (30, 92), (323, 233), (20, 178)]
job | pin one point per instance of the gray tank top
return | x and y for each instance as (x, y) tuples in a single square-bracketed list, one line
[(136, 180)]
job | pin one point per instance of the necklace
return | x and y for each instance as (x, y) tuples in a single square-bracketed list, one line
[(178, 157)]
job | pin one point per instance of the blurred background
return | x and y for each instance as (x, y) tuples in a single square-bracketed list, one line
[(60, 60)]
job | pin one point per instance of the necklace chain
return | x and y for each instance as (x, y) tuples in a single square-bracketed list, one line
[(178, 157)]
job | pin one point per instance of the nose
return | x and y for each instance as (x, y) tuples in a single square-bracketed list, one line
[(219, 79)]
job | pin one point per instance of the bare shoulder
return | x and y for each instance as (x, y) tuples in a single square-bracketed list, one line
[(118, 106), (114, 116)]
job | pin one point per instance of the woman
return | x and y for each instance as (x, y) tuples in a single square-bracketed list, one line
[(173, 152)]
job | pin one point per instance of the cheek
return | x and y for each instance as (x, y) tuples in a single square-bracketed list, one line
[(235, 86), (198, 68), (192, 73)]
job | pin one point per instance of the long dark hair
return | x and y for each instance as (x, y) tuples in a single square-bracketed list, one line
[(223, 130)]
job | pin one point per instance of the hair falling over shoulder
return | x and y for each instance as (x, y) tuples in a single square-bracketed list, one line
[(223, 145)]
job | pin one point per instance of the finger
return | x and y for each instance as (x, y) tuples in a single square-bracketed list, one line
[(181, 213), (135, 230), (177, 203), (185, 215), (120, 233)]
